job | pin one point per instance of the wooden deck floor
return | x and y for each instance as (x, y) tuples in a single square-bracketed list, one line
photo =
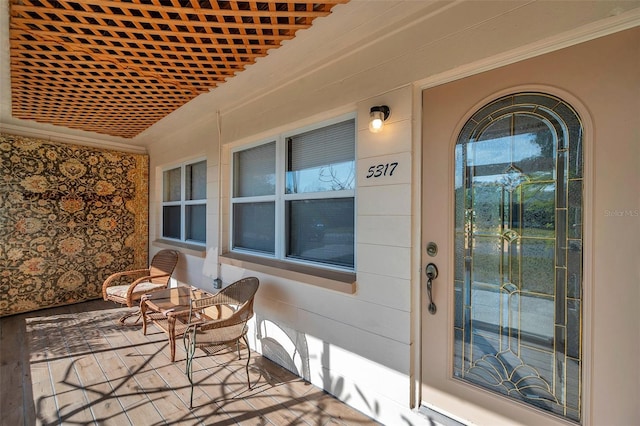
[(75, 365)]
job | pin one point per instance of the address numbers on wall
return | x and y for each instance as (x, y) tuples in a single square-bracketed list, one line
[(381, 170)]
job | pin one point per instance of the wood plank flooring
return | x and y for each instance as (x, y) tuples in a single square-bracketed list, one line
[(75, 365)]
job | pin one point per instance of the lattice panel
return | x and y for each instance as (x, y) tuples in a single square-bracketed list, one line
[(117, 67)]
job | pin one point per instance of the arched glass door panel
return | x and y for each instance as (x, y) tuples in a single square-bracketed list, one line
[(518, 252)]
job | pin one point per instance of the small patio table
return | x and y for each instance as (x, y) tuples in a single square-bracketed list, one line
[(172, 311)]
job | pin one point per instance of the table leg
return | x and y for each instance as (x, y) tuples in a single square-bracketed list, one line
[(172, 336), (143, 310)]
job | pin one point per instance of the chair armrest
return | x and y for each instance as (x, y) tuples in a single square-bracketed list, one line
[(196, 325), (235, 319), (144, 279), (111, 278), (209, 301)]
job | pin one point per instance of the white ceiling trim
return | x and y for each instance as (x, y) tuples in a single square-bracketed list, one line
[(32, 132)]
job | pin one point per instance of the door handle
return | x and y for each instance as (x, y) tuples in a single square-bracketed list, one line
[(432, 274)]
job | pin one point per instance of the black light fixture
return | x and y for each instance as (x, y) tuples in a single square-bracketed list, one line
[(378, 115)]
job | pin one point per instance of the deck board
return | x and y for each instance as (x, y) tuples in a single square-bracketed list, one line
[(12, 353), (77, 365)]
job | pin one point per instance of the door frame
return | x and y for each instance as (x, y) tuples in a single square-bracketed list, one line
[(588, 196)]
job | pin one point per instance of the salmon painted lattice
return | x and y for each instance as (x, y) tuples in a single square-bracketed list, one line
[(117, 67)]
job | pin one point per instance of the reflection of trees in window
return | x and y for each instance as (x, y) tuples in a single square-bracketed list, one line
[(337, 178), (332, 177), (538, 208), (545, 141)]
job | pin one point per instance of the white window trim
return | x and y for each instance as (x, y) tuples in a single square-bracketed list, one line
[(280, 198), (182, 203)]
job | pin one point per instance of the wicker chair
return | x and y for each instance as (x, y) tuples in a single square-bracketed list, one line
[(155, 278), (216, 335)]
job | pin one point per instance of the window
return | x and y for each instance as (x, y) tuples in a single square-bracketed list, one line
[(294, 197), (184, 202)]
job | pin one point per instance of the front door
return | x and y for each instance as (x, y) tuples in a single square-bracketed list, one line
[(502, 250)]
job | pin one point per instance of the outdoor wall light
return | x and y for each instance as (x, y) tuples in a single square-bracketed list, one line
[(378, 115)]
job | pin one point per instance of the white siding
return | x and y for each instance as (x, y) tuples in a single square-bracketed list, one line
[(360, 346)]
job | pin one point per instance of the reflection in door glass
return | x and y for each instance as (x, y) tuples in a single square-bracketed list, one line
[(518, 256)]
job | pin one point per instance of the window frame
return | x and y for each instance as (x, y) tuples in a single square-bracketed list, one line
[(280, 198), (183, 202)]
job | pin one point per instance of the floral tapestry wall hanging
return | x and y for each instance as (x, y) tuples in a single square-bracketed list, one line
[(69, 217)]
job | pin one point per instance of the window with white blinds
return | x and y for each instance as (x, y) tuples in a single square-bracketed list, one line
[(313, 202), (255, 171), (321, 159)]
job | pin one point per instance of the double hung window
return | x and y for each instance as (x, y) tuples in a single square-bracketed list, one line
[(293, 197), (184, 202)]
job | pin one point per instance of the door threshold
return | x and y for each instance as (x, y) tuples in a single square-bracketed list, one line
[(436, 418)]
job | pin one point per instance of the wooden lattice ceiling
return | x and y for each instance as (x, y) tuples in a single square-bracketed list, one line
[(117, 67)]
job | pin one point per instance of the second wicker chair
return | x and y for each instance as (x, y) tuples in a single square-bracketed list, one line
[(215, 335)]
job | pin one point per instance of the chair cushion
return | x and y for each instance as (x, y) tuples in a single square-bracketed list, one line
[(121, 290)]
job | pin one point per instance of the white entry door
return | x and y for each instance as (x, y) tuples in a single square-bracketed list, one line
[(502, 249)]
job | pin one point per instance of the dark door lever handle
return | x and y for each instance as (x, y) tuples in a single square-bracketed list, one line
[(432, 274)]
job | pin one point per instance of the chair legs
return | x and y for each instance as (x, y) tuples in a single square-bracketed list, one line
[(246, 342), (123, 319), (190, 347), (189, 340)]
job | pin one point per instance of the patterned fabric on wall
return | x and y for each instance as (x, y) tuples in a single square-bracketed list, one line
[(69, 217)]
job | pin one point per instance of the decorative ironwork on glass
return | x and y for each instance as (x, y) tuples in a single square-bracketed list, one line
[(518, 257), (509, 288), (513, 177), (507, 373), (510, 235)]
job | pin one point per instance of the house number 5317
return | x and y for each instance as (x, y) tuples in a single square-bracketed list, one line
[(382, 170)]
